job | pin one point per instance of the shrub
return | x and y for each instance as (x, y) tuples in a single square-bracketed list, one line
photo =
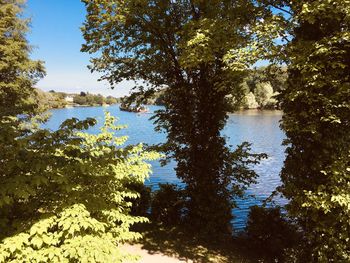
[(167, 204), (269, 233), (141, 205), (65, 195)]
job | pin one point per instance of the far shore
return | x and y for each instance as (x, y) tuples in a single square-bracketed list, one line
[(248, 112), (252, 112)]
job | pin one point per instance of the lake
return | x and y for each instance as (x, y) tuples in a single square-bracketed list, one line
[(261, 128)]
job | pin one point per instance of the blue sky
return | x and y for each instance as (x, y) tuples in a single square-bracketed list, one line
[(57, 39)]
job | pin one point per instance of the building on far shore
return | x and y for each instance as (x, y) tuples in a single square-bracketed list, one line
[(69, 99)]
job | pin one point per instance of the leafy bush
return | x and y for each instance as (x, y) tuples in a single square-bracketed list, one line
[(167, 204), (269, 233), (141, 205), (65, 194), (48, 100)]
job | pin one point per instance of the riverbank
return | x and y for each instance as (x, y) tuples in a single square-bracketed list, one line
[(255, 112), (87, 105)]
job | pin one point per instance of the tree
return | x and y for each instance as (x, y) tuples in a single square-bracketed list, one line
[(316, 175), (111, 100), (250, 101), (264, 95), (48, 100), (18, 73), (274, 74), (57, 208), (194, 49), (98, 99), (81, 100), (277, 76), (64, 194)]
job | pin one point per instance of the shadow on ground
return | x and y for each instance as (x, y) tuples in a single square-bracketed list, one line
[(175, 242)]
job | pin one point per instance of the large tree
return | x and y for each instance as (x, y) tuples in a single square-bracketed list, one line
[(18, 73), (316, 105), (198, 51)]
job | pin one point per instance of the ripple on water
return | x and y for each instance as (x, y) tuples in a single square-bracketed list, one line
[(261, 128)]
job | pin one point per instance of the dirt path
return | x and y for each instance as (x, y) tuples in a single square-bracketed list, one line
[(147, 257)]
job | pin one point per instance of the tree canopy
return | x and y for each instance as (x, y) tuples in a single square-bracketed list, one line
[(198, 50), (18, 73), (316, 175)]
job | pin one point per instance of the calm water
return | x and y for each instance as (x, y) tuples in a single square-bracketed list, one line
[(260, 128)]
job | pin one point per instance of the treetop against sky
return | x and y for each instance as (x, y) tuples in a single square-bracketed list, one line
[(57, 39)]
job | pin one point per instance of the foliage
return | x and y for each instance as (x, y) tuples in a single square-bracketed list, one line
[(277, 76), (250, 101), (157, 98), (273, 74), (49, 100), (197, 51), (264, 95), (258, 80), (111, 100), (64, 194), (168, 204), (269, 233), (316, 174), (81, 100), (262, 85), (92, 100), (141, 205), (18, 73)]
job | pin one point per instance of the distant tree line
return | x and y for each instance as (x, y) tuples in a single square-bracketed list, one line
[(53, 99), (86, 98), (50, 100), (259, 88)]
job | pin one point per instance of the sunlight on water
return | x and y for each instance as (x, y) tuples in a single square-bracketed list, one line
[(259, 128)]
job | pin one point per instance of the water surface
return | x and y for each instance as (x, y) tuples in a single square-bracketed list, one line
[(261, 128)]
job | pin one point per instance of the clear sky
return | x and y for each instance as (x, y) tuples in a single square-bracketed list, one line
[(57, 39)]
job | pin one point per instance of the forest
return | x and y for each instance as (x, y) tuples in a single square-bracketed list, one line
[(68, 195)]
